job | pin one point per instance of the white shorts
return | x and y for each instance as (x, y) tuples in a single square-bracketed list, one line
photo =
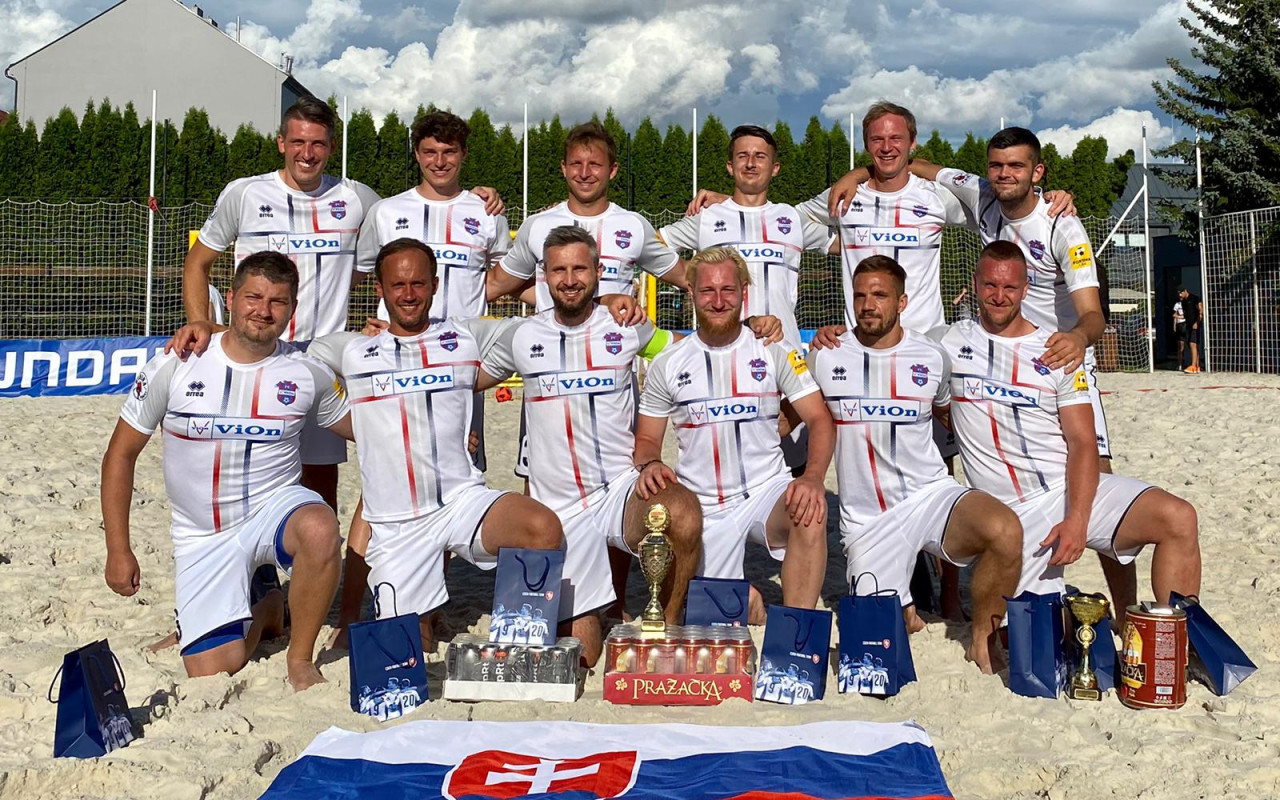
[(321, 446), (887, 546), (212, 583), (409, 554), (1116, 495), (725, 532), (588, 535), (1090, 368)]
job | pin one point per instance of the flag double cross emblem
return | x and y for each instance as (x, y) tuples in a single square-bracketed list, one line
[(501, 774)]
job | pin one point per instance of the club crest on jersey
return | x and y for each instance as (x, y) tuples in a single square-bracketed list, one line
[(613, 342), (684, 379), (286, 392), (623, 238), (195, 389), (759, 368), (960, 179), (839, 374), (919, 374), (140, 386), (449, 341), (720, 226), (264, 212), (1037, 249), (919, 211), (472, 225), (338, 209), (402, 224), (1040, 366), (536, 351), (784, 225)]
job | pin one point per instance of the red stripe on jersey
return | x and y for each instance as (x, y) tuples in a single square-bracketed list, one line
[(715, 453), (257, 387), (408, 455), (573, 452), (995, 439), (875, 473), (217, 472)]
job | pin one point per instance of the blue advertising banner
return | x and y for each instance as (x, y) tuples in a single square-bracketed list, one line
[(73, 367)]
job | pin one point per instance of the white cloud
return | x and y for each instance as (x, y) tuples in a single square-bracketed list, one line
[(1122, 128), (27, 26)]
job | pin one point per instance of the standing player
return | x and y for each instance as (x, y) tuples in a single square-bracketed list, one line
[(232, 418), (722, 389), (411, 389), (1026, 436), (576, 363), (881, 384), (769, 236)]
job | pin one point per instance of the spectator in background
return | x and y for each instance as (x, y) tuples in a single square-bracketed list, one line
[(1193, 314), (1180, 328)]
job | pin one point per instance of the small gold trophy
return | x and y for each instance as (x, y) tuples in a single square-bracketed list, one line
[(655, 560), (1089, 609)]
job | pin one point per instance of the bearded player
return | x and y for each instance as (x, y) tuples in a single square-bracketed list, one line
[(881, 384), (1026, 434), (721, 387)]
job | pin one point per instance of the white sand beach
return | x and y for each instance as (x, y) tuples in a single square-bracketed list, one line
[(1213, 439)]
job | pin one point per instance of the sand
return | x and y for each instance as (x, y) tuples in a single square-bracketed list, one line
[(1212, 439)]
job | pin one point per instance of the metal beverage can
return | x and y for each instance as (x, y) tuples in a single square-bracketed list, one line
[(723, 653), (488, 658), (620, 653), (500, 663), (518, 663), (665, 656), (1153, 660), (465, 662)]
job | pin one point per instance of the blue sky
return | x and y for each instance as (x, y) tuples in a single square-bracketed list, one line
[(1065, 71)]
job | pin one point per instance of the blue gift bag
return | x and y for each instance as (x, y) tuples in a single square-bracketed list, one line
[(874, 650), (1218, 660), (717, 601), (388, 670), (793, 660), (1037, 664), (526, 596), (1102, 653), (93, 715)]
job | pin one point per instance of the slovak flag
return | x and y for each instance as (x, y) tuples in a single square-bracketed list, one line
[(454, 760)]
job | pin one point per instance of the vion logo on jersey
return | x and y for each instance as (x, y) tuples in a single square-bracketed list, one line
[(875, 409), (412, 381), (567, 383), (886, 237), (1003, 393), (304, 244), (247, 429), (728, 409), (761, 252)]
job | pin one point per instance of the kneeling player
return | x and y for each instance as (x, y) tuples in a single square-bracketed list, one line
[(722, 388), (232, 417), (881, 383), (412, 388), (1027, 436)]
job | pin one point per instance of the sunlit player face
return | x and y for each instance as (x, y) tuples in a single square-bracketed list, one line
[(1012, 172), (890, 144), (306, 147), (260, 310), (717, 298), (587, 171), (441, 163), (407, 286), (1000, 287), (877, 303), (571, 278), (752, 165)]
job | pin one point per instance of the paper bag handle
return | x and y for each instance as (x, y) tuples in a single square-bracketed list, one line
[(542, 581), (377, 603), (716, 601)]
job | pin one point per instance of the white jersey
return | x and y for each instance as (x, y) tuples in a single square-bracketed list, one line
[(230, 430), (905, 225), (770, 238), (1059, 256), (1004, 409), (411, 399), (578, 403), (724, 403), (317, 230), (882, 403), (464, 238), (626, 241)]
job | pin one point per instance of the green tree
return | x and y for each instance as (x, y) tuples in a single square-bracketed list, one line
[(508, 171), (198, 166), (88, 175), (168, 191), (672, 190), (1092, 177), (939, 151), (1234, 100), (812, 161), (1055, 169), (362, 148), (622, 187), (972, 155), (56, 164), (19, 148), (244, 152), (786, 188), (395, 169), (646, 156), (713, 152), (480, 169), (133, 165), (546, 153), (838, 160)]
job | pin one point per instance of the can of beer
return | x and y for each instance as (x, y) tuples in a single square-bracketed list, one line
[(558, 664), (488, 662), (620, 652), (664, 656), (1153, 662), (724, 655), (518, 663), (744, 650), (464, 663)]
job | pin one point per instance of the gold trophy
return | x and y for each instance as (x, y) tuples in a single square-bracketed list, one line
[(655, 560), (1089, 609)]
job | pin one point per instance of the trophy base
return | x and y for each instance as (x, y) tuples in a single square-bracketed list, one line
[(653, 628), (1081, 693)]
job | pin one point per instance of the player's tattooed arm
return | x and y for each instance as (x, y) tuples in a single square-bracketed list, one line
[(122, 573)]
